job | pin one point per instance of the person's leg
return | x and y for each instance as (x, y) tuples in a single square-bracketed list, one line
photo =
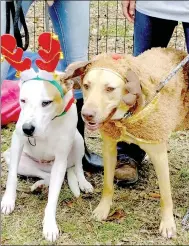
[(71, 23), (151, 32), (186, 32), (25, 6), (148, 32)]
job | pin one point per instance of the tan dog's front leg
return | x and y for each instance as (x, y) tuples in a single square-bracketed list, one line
[(109, 160), (159, 158)]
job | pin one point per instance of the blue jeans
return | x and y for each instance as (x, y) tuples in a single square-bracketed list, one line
[(154, 32), (70, 20)]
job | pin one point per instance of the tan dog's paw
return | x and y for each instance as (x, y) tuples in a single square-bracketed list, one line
[(168, 228), (101, 212)]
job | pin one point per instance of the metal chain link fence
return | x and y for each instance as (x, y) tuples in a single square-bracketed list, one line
[(109, 30)]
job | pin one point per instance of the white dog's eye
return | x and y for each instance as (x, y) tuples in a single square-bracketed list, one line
[(86, 86), (23, 101), (46, 103), (110, 89)]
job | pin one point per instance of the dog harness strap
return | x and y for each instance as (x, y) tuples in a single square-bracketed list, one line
[(108, 69)]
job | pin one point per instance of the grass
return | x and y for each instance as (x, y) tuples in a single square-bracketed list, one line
[(138, 225), (184, 174)]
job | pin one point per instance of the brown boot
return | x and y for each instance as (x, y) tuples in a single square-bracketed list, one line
[(126, 170)]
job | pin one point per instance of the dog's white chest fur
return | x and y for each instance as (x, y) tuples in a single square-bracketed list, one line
[(41, 150)]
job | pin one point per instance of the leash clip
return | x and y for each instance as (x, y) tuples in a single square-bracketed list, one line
[(127, 115), (34, 141)]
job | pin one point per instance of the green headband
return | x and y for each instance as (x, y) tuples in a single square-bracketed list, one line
[(52, 82)]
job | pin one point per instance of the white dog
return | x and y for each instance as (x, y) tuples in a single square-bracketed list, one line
[(45, 144)]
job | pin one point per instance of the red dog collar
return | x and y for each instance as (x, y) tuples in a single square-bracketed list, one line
[(68, 106)]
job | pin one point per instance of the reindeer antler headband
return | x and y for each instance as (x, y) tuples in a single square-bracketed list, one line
[(50, 52)]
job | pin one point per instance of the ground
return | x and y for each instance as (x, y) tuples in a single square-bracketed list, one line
[(135, 211)]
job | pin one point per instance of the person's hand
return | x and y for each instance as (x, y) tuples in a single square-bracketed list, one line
[(128, 7)]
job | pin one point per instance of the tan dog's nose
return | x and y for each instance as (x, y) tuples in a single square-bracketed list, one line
[(88, 114)]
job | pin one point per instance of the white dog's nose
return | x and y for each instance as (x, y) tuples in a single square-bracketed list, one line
[(28, 129)]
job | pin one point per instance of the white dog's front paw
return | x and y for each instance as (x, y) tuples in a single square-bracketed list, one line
[(85, 186), (50, 230), (7, 204), (168, 228)]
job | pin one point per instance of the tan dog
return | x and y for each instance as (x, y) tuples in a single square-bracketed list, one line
[(111, 87)]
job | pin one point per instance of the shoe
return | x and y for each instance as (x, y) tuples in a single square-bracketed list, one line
[(93, 158), (126, 171), (131, 150), (128, 159), (92, 162)]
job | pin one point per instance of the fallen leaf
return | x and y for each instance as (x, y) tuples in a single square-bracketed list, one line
[(69, 204), (116, 215), (154, 195)]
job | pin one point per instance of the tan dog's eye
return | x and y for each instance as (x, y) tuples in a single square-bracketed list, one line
[(86, 86), (110, 89)]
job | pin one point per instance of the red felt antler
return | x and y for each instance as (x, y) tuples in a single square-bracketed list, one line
[(13, 55), (50, 52)]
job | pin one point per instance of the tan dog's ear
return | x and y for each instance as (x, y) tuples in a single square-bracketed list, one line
[(78, 68), (133, 87), (75, 69), (69, 84), (66, 84)]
